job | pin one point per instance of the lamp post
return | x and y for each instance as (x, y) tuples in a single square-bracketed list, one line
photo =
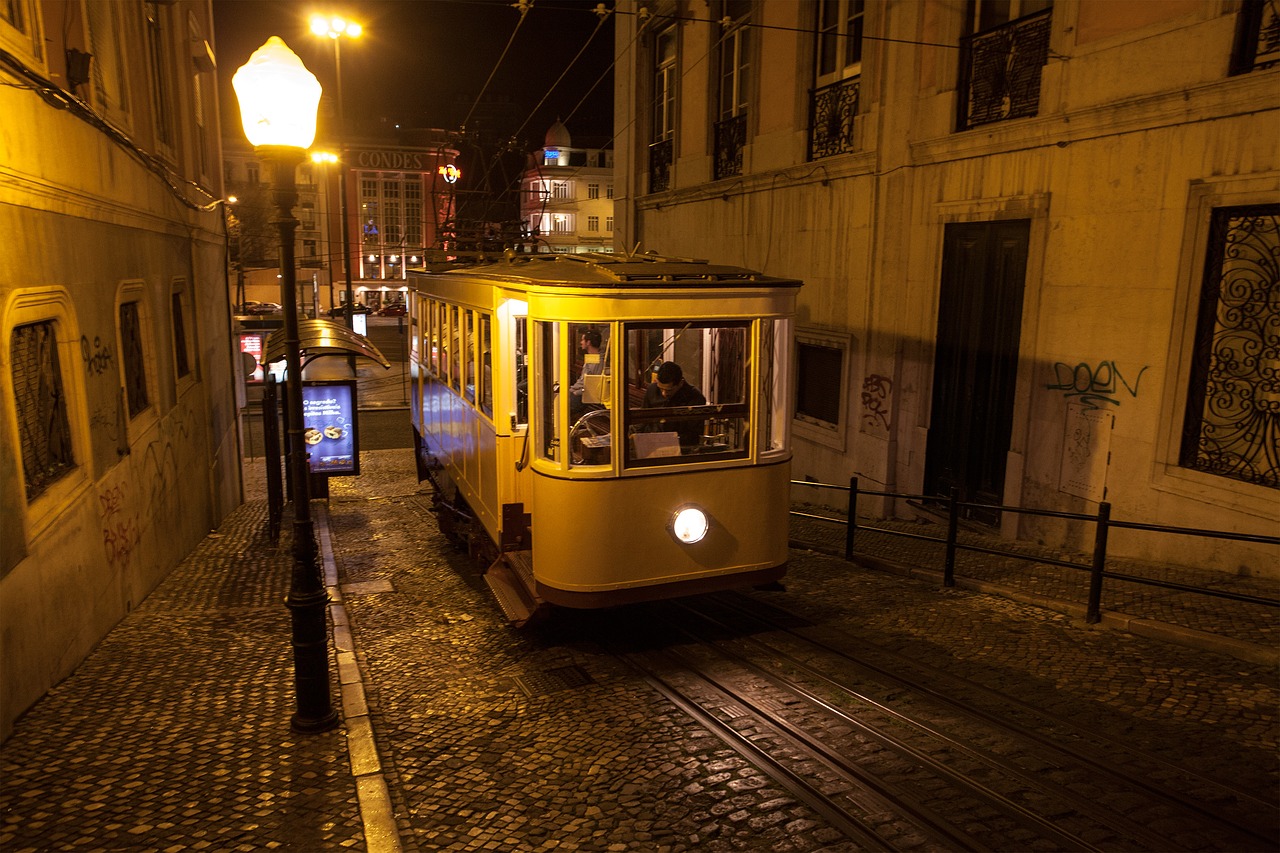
[(278, 99), (335, 28)]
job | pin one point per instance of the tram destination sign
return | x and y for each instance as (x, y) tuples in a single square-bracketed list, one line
[(330, 427)]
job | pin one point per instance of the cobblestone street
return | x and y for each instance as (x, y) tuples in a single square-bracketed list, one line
[(461, 733)]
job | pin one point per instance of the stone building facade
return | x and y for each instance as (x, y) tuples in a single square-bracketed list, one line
[(120, 448), (1038, 240)]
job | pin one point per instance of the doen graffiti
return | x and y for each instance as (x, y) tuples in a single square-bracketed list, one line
[(1093, 385)]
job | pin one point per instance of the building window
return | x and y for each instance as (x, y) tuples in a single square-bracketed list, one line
[(135, 371), (664, 85), (608, 223), (833, 104), (593, 191), (181, 361), (822, 394), (1257, 37), (1001, 62), (251, 174), (157, 54), (560, 189), (593, 223), (561, 223), (44, 431), (608, 191), (1232, 417)]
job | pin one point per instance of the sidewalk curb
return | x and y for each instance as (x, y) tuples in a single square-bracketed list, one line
[(1148, 628), (381, 834)]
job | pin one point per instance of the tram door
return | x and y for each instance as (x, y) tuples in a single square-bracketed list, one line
[(976, 362)]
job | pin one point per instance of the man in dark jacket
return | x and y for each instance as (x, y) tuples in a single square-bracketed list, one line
[(672, 390)]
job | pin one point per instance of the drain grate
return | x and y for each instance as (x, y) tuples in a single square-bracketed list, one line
[(553, 680)]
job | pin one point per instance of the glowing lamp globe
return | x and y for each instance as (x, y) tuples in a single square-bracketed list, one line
[(278, 97)]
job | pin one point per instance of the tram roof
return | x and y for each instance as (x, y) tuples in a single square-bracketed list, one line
[(600, 269)]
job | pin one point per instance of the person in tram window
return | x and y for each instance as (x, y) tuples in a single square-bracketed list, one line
[(669, 390), (593, 364)]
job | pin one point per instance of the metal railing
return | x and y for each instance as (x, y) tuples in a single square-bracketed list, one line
[(1097, 568)]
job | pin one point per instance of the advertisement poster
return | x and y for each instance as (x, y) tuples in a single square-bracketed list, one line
[(251, 349), (329, 427)]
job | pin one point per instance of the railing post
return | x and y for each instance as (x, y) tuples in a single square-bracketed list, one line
[(852, 515), (1093, 612), (953, 527)]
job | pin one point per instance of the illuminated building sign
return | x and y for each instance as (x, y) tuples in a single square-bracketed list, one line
[(450, 173), (329, 427)]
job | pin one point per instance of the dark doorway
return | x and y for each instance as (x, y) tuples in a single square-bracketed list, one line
[(979, 322)]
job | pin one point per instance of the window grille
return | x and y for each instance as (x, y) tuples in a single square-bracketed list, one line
[(135, 372), (1257, 37), (1232, 424), (1000, 71), (44, 431)]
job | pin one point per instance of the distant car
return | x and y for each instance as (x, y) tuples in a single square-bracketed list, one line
[(395, 309), (340, 310), (247, 307), (265, 308)]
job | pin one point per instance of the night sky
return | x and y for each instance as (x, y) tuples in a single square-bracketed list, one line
[(422, 63)]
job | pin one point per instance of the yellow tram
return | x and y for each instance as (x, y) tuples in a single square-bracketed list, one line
[(606, 428)]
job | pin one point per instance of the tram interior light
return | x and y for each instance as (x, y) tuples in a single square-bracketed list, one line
[(689, 525)]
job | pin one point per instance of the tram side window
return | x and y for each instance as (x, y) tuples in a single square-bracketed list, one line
[(433, 337), (486, 365), (521, 370), (687, 394), (548, 398), (455, 348), (776, 341), (590, 430), (469, 350)]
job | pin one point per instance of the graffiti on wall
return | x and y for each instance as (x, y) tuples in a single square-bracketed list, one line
[(875, 395), (120, 533), (1094, 386), (97, 357)]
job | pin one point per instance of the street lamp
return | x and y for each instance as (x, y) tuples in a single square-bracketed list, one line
[(278, 99), (336, 28)]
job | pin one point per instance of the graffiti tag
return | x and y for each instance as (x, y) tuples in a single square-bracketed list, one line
[(1093, 385), (97, 358), (875, 391)]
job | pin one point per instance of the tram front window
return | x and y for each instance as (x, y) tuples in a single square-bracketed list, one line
[(687, 391)]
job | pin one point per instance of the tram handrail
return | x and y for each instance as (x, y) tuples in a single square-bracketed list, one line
[(1097, 567)]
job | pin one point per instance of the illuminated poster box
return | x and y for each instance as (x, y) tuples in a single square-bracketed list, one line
[(329, 427)]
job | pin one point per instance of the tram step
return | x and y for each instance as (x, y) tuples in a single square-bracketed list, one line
[(511, 581)]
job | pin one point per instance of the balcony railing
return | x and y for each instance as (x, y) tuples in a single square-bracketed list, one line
[(831, 112), (660, 157), (1000, 71), (731, 138), (1257, 37)]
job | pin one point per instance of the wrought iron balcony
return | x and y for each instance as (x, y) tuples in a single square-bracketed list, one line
[(660, 157), (731, 138), (1000, 71), (1257, 37), (831, 112)]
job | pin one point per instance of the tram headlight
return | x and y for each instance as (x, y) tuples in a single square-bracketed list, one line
[(689, 524)]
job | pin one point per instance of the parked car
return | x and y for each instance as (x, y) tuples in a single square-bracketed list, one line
[(246, 307), (265, 308), (395, 309), (338, 310)]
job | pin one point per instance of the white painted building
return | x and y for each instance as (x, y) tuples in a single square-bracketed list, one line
[(119, 450), (1038, 240), (566, 196)]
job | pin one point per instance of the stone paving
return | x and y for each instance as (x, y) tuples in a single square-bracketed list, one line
[(173, 735)]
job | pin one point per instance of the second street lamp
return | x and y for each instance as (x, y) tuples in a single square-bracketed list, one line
[(278, 99), (336, 29)]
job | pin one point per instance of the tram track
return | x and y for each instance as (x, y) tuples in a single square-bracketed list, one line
[(921, 770), (1104, 756)]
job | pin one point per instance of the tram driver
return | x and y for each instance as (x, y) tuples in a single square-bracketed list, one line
[(593, 364), (671, 389)]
